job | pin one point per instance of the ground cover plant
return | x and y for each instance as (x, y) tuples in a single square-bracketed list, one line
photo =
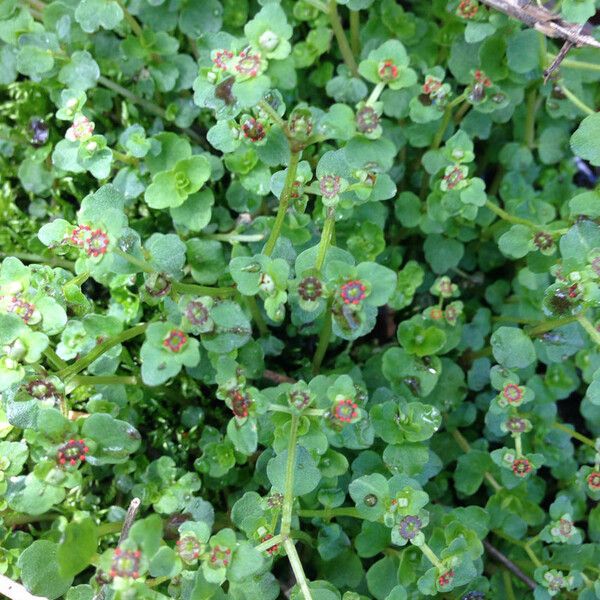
[(299, 300)]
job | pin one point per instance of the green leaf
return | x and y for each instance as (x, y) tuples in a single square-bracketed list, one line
[(306, 475), (40, 570), (77, 547), (95, 14), (370, 494), (512, 348), (115, 440), (584, 142)]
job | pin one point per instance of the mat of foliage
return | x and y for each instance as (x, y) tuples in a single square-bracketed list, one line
[(297, 300)]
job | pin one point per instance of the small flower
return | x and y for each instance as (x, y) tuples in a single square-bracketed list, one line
[(345, 410), (563, 528), (275, 500), (240, 404), (299, 399), (43, 390), (125, 563), (512, 394), (432, 85), (21, 308), (157, 285), (409, 527), (248, 64), (482, 78), (266, 283), (175, 340), (197, 313), (555, 581), (219, 557), (330, 186), (220, 58), (543, 241), (452, 312), (96, 243), (467, 9), (444, 287), (253, 130), (367, 119), (273, 549), (268, 40), (446, 578), (454, 176), (434, 313), (310, 289), (517, 425), (39, 131), (353, 292), (593, 481), (79, 235), (72, 452), (301, 123), (387, 70), (81, 129), (473, 596), (189, 548), (521, 467)]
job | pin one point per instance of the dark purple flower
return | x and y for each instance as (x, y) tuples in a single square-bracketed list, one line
[(39, 131), (409, 527)]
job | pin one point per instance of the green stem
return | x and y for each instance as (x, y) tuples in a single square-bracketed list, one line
[(582, 106), (589, 327), (95, 353), (510, 218), (549, 325), (234, 238), (326, 235), (38, 258), (575, 434), (355, 32), (284, 202), (125, 158), (104, 380), (518, 445), (374, 96), (309, 412), (324, 337), (439, 134), (288, 496), (135, 26), (276, 539), (431, 555), (318, 4), (342, 40), (529, 133), (266, 107), (140, 263), (575, 64), (257, 315), (510, 594), (296, 565), (202, 290), (330, 513), (57, 362)]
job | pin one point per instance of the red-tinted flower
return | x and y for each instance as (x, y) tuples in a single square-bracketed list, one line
[(454, 177), (481, 77), (467, 9), (273, 549), (521, 467), (175, 341), (299, 399), (253, 129), (367, 119), (387, 70), (446, 578), (512, 393), (79, 235), (240, 403), (96, 243), (436, 314), (125, 563), (189, 548), (197, 312), (221, 57), (516, 425), (330, 186), (543, 240), (310, 289), (220, 557), (353, 292), (431, 85), (22, 309), (72, 452), (593, 481), (345, 410), (248, 64)]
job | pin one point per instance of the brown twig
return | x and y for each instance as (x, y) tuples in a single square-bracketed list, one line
[(132, 511), (277, 377), (506, 562), (542, 20)]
